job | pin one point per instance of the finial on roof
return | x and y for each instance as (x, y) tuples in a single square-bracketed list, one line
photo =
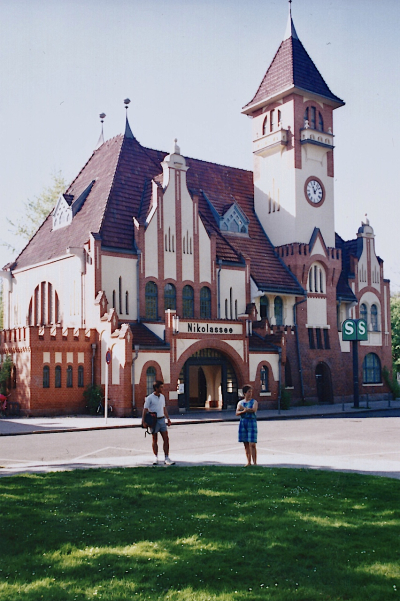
[(290, 29), (100, 141), (128, 131), (366, 219), (176, 149)]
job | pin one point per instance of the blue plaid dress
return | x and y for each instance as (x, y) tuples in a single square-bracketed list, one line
[(248, 424)]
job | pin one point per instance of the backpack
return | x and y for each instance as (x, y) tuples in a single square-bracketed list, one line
[(150, 420)]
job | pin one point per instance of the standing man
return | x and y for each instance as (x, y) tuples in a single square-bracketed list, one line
[(155, 402)]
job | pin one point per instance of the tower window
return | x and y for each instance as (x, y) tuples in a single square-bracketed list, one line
[(169, 297), (57, 382), (150, 379), (272, 120), (264, 307), (188, 302), (364, 312), (278, 311), (151, 298), (316, 278), (264, 379), (265, 126), (371, 369), (46, 376), (69, 377), (374, 318), (80, 376), (205, 303)]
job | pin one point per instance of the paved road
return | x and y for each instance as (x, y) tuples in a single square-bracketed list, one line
[(368, 445)]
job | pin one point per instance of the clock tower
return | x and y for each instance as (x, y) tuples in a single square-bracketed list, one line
[(293, 144)]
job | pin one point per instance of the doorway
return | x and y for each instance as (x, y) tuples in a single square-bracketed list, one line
[(324, 384), (209, 382)]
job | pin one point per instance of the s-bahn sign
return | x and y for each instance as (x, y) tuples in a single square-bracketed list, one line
[(211, 328), (354, 329)]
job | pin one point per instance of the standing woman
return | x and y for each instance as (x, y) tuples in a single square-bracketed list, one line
[(247, 409)]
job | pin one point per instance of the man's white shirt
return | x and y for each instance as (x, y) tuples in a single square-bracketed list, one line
[(155, 404)]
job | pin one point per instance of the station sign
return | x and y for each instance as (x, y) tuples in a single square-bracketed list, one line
[(354, 329), (211, 328)]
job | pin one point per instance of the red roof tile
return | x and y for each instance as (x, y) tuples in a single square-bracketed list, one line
[(292, 68)]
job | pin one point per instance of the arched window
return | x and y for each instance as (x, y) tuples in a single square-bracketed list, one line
[(364, 312), (316, 278), (205, 303), (313, 113), (264, 379), (264, 307), (265, 126), (150, 379), (57, 382), (69, 377), (80, 376), (372, 369), (151, 296), (306, 117), (320, 122), (288, 374), (169, 297), (278, 311), (127, 302), (374, 318), (272, 120), (113, 299), (188, 302), (46, 376)]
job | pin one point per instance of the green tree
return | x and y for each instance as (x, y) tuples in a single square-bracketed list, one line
[(36, 210), (5, 373), (395, 319)]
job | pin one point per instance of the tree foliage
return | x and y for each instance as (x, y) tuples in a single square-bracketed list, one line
[(395, 319), (5, 373), (36, 210)]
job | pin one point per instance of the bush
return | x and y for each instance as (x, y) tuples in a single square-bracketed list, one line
[(5, 373), (392, 383), (93, 396), (286, 398)]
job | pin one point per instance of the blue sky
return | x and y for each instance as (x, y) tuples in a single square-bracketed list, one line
[(188, 68)]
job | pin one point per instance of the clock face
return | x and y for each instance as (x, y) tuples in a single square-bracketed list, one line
[(314, 191)]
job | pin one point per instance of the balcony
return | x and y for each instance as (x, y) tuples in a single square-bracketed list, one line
[(276, 140)]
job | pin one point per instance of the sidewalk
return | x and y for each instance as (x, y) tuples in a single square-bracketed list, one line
[(39, 425)]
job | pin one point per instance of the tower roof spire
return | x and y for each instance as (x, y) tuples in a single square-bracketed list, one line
[(290, 29), (291, 69)]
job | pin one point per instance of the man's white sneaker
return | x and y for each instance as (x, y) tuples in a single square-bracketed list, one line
[(168, 461), (155, 462)]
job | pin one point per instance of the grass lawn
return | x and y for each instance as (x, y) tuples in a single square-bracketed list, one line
[(199, 533)]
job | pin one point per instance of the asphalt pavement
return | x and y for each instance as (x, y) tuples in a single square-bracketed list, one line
[(331, 437)]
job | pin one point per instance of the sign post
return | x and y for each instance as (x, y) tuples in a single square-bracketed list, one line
[(108, 361), (355, 330)]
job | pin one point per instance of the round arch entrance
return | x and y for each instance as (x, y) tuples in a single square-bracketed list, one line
[(208, 381), (324, 383)]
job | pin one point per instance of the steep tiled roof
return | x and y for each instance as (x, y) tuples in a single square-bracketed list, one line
[(145, 338), (122, 171), (292, 68), (348, 248)]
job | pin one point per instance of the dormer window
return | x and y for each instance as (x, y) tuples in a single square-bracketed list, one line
[(234, 221), (66, 207)]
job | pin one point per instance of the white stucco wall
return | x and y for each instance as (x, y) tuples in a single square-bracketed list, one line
[(163, 360), (235, 280), (205, 254), (256, 359), (151, 248), (316, 312), (113, 268), (65, 277)]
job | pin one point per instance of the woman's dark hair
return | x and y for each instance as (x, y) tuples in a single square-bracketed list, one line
[(246, 388)]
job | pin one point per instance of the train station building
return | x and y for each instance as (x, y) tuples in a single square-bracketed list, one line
[(205, 276)]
